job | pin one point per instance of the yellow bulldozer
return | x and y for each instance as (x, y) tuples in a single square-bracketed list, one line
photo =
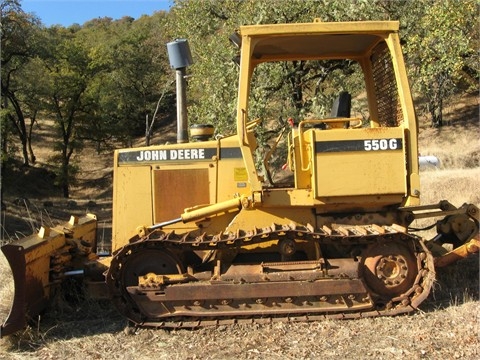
[(204, 232)]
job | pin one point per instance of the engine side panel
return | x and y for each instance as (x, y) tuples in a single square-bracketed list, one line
[(353, 162), (170, 191), (132, 202)]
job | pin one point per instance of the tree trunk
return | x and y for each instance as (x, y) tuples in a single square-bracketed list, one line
[(436, 118), (65, 175), (33, 158), (3, 162), (66, 193), (147, 131), (19, 125), (435, 109)]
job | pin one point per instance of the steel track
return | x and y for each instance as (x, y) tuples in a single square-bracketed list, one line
[(161, 313)]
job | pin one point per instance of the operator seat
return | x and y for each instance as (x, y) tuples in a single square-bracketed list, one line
[(342, 105), (340, 109)]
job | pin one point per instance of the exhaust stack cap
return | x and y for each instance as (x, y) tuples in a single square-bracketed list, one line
[(179, 54)]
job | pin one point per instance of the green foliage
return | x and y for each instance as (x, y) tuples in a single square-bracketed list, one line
[(100, 80), (67, 73), (131, 67), (5, 124), (21, 40), (207, 25), (440, 39), (442, 51)]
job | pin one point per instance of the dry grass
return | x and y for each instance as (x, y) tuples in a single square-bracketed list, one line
[(456, 146), (455, 185), (447, 326), (449, 333)]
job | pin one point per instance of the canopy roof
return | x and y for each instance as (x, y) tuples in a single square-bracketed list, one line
[(316, 40)]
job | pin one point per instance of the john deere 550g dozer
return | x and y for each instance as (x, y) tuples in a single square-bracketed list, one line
[(201, 237)]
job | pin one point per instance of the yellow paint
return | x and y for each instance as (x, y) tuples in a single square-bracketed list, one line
[(337, 181), (240, 174)]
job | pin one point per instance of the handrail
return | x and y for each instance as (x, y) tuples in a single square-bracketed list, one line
[(317, 121), (247, 126)]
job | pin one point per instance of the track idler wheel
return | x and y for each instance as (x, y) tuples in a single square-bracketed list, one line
[(132, 262), (148, 261), (389, 269)]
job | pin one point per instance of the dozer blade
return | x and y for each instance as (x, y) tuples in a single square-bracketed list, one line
[(39, 261)]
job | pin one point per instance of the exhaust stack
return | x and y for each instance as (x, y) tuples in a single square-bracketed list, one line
[(180, 57)]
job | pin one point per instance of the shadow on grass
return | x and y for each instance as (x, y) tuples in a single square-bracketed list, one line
[(69, 317), (455, 285)]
